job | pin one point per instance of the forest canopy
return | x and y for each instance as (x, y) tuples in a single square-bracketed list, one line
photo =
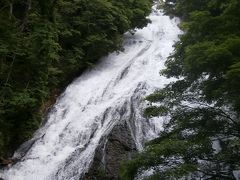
[(201, 138), (44, 44)]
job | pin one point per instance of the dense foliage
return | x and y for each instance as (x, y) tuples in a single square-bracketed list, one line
[(44, 44), (202, 137)]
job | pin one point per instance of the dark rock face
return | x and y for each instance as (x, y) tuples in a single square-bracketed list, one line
[(115, 148)]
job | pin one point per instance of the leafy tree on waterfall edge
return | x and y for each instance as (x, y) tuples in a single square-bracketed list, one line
[(44, 44), (201, 138)]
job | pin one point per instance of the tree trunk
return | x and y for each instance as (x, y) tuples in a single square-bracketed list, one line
[(10, 10), (25, 19)]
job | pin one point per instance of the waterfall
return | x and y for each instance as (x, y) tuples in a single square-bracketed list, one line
[(111, 92)]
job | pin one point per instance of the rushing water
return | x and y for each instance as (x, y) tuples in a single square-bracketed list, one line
[(63, 148)]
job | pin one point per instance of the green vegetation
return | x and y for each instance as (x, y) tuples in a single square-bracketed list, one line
[(202, 137), (44, 44)]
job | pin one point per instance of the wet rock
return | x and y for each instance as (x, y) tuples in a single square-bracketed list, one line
[(114, 149), (5, 162), (23, 149)]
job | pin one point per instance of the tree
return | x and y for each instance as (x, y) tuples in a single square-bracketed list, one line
[(201, 138), (44, 45)]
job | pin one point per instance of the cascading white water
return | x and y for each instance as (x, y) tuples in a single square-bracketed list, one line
[(63, 148)]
